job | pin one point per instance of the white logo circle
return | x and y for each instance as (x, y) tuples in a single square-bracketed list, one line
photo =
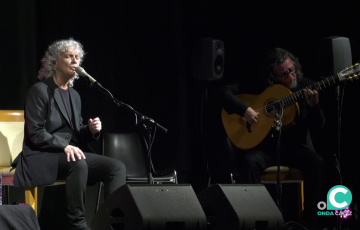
[(321, 205)]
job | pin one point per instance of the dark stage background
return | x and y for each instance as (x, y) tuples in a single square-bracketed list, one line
[(141, 52)]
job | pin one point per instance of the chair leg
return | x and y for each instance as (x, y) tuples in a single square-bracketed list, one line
[(176, 180), (98, 197), (31, 197), (5, 194), (8, 195), (232, 178), (300, 197)]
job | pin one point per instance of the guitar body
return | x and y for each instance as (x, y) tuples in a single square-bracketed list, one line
[(236, 128)]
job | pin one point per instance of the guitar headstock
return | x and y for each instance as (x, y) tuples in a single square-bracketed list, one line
[(350, 73)]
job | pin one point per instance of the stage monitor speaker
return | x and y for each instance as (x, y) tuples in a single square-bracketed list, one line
[(172, 207), (18, 217), (208, 58), (334, 55), (240, 207)]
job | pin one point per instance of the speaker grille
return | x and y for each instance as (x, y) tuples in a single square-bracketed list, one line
[(151, 207), (208, 59), (240, 207)]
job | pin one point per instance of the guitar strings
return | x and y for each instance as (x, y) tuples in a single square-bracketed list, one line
[(292, 98)]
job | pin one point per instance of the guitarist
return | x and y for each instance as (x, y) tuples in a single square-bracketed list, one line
[(282, 67)]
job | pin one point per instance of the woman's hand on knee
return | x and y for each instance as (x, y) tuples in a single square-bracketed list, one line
[(72, 151)]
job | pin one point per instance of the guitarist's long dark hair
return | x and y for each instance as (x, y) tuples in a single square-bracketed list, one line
[(277, 56)]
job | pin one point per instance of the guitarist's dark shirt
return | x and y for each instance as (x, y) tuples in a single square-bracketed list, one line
[(310, 120)]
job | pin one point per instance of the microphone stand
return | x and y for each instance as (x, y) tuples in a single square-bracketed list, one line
[(276, 132), (337, 154), (338, 130), (149, 124)]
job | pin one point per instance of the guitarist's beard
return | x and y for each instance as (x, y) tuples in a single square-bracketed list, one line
[(293, 84)]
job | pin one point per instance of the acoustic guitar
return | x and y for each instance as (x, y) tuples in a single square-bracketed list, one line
[(274, 99)]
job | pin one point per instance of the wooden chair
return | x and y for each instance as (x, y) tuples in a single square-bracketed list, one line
[(11, 139), (288, 175), (220, 161)]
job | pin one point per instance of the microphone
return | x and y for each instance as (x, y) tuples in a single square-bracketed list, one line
[(80, 70)]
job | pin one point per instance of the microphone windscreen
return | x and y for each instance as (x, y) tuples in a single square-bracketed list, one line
[(79, 70)]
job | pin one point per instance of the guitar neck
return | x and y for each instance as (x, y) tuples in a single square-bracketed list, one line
[(352, 72), (298, 95)]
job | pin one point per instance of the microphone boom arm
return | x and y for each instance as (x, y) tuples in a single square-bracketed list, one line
[(150, 121), (149, 124)]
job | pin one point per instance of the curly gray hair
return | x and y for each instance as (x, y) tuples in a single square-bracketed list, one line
[(52, 55)]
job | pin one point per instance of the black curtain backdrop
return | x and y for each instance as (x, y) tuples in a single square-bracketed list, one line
[(141, 52), (18, 63)]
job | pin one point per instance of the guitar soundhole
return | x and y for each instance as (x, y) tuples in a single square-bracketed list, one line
[(271, 107)]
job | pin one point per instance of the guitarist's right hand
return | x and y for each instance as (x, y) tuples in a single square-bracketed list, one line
[(251, 116)]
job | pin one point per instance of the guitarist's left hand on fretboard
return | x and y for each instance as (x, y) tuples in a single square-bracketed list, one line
[(312, 97)]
